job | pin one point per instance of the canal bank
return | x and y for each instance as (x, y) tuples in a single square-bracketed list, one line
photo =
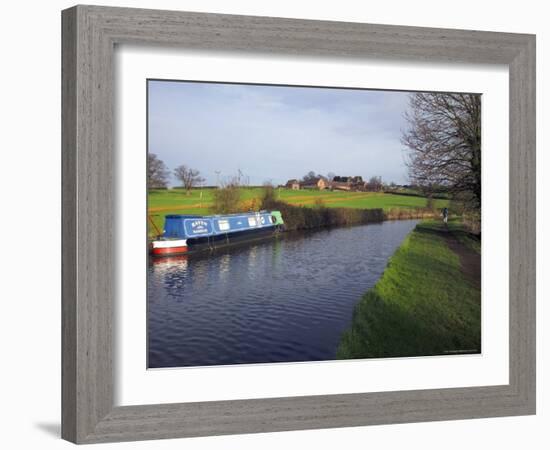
[(427, 302), (298, 218)]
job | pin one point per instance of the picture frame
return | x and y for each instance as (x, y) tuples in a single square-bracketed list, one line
[(89, 36)]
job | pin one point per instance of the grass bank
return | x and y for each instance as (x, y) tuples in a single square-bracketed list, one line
[(304, 218), (307, 218), (425, 303)]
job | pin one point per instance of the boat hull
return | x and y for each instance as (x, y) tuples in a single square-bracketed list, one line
[(218, 241), (169, 247), (210, 243), (169, 251)]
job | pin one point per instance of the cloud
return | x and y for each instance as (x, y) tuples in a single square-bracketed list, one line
[(277, 133)]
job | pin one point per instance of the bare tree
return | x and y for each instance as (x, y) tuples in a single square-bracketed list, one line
[(330, 176), (157, 172), (374, 183), (444, 137), (188, 177), (309, 177)]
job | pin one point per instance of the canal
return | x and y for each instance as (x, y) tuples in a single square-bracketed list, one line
[(282, 300)]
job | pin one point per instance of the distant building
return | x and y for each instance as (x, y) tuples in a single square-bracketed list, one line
[(323, 183), (316, 183), (347, 183), (293, 184), (338, 179), (320, 182), (340, 185)]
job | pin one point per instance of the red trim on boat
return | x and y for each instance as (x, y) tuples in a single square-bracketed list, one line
[(168, 250)]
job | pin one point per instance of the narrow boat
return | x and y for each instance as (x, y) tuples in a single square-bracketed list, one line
[(188, 233)]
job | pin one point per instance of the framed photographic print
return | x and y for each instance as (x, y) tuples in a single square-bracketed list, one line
[(268, 222)]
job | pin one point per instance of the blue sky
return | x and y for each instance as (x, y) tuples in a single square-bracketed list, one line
[(275, 133)]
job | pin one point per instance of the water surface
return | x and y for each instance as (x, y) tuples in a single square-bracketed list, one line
[(282, 300)]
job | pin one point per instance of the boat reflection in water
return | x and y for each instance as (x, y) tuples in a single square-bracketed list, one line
[(170, 261)]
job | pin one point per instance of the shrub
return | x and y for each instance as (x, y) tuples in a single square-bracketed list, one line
[(269, 197), (227, 199), (472, 221), (252, 204), (303, 218)]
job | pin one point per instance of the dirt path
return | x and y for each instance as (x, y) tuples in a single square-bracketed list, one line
[(470, 261)]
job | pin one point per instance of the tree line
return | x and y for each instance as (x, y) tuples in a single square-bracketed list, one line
[(158, 174)]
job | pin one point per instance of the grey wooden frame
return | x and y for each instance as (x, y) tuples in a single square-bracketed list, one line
[(89, 36)]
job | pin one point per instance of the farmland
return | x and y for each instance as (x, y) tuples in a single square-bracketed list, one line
[(197, 201)]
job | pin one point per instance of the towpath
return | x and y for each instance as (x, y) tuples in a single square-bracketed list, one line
[(470, 260)]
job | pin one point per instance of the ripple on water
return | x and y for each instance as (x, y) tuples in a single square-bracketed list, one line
[(279, 301)]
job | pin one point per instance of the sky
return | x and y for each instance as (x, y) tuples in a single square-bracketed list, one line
[(277, 133)]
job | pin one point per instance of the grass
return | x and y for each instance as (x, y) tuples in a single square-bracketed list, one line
[(422, 305), (177, 201)]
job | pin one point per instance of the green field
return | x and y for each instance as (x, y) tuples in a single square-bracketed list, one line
[(177, 201), (427, 302)]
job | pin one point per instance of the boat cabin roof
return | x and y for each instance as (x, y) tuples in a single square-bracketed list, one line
[(193, 216)]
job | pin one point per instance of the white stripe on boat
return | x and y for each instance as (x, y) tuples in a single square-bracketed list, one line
[(169, 243)]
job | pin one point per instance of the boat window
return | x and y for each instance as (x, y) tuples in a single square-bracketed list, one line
[(252, 221), (223, 224)]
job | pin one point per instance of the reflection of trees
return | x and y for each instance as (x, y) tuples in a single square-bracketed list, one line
[(276, 252), (224, 266), (252, 257)]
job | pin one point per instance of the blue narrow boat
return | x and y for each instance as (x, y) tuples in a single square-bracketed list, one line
[(186, 233)]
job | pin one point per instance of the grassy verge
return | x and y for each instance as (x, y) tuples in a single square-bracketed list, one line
[(422, 305)]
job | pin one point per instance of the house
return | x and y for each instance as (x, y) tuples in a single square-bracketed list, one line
[(339, 179), (293, 184), (347, 183), (316, 183), (323, 183), (341, 183)]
